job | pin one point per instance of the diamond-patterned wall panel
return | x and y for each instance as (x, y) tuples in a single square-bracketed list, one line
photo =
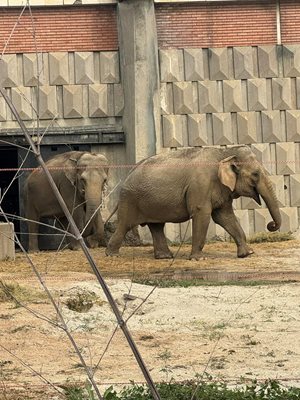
[(2, 109), (282, 94), (249, 204), (174, 131), (215, 231), (293, 125), (184, 100), (257, 94), (243, 62), (171, 65), (243, 218), (291, 60), (218, 64), (98, 100), (118, 100), (263, 155), (267, 61), (59, 68), (285, 158), (21, 98), (247, 128), (271, 127), (73, 101), (233, 97), (222, 128), (278, 184), (9, 71), (295, 189), (197, 130), (47, 102), (194, 65), (84, 67), (172, 231), (210, 96), (35, 69), (166, 98), (289, 217), (109, 67), (261, 219)]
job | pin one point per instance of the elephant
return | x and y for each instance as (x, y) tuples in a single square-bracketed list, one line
[(196, 184), (80, 178)]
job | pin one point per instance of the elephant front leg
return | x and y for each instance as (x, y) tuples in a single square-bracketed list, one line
[(226, 218), (200, 223), (161, 249)]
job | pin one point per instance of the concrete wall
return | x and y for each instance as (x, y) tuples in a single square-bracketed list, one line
[(164, 97), (240, 95), (68, 88)]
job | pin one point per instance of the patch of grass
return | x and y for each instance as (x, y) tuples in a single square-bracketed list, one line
[(79, 392), (269, 390), (81, 301), (13, 292), (211, 331), (185, 283), (263, 237)]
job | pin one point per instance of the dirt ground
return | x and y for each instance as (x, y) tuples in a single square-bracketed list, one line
[(226, 331)]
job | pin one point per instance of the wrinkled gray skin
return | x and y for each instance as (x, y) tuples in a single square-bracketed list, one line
[(80, 177), (192, 184)]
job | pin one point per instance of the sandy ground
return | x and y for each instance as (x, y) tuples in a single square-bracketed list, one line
[(228, 332)]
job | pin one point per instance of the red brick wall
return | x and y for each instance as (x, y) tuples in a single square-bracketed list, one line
[(216, 24), (89, 28), (290, 21)]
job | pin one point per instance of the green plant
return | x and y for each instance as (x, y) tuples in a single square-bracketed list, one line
[(165, 356), (75, 392), (185, 283), (13, 292), (262, 237), (193, 390), (81, 301)]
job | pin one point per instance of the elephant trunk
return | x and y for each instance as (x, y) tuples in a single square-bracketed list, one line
[(92, 209), (266, 190), (93, 216)]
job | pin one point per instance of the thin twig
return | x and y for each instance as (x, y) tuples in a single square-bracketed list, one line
[(32, 370)]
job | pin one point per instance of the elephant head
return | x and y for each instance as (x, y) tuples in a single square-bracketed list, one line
[(87, 172), (245, 176)]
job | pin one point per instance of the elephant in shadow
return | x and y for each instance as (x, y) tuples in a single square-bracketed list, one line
[(196, 184), (80, 178)]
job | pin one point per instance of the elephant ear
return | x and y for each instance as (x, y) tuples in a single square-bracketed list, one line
[(71, 170), (226, 174)]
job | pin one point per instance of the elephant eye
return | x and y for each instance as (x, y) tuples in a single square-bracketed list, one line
[(255, 174)]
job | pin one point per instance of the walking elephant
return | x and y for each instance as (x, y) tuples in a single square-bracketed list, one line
[(192, 184), (80, 178)]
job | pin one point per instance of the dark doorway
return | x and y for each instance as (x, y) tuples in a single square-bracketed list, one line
[(9, 188)]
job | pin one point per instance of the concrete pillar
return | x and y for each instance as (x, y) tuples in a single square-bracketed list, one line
[(7, 245), (140, 77)]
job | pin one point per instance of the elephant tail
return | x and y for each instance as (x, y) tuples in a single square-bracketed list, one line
[(111, 214)]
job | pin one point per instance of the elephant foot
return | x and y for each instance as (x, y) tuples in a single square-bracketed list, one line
[(197, 256), (244, 252), (160, 255), (33, 251), (74, 246), (92, 242), (111, 253)]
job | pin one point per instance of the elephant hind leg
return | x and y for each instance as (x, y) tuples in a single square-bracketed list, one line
[(161, 249)]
